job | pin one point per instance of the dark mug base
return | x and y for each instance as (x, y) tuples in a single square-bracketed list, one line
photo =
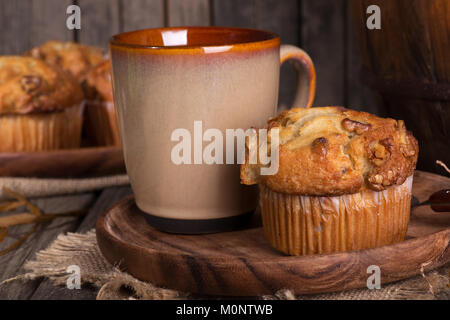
[(184, 226)]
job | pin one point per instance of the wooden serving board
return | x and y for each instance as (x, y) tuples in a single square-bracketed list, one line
[(242, 263), (75, 163)]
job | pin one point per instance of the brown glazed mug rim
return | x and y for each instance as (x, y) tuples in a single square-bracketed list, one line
[(251, 39)]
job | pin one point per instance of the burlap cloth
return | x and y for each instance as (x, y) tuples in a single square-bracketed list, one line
[(82, 250), (112, 283)]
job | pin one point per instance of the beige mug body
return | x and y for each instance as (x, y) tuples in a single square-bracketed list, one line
[(195, 79)]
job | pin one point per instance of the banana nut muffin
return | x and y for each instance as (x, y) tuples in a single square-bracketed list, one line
[(343, 183), (72, 57), (40, 106)]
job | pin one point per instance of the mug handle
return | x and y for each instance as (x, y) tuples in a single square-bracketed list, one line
[(306, 74)]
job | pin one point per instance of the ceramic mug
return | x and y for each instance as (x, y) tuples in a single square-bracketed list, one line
[(169, 79)]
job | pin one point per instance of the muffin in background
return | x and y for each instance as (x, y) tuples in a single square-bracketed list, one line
[(72, 57), (344, 181), (100, 117), (41, 108), (89, 65)]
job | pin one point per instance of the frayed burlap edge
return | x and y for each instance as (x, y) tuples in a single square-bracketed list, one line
[(418, 288), (82, 250)]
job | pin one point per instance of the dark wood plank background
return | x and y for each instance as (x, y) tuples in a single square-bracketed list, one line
[(321, 27)]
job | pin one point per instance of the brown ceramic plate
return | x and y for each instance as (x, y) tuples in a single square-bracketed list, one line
[(75, 163)]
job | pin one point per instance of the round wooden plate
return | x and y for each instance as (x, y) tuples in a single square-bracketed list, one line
[(242, 263), (83, 162)]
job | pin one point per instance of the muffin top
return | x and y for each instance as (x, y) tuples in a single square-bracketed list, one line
[(70, 56), (98, 82), (29, 85), (330, 151)]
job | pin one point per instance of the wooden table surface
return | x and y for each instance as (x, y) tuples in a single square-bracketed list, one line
[(11, 264)]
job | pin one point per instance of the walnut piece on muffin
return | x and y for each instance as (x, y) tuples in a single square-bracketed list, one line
[(72, 57), (40, 106), (331, 151)]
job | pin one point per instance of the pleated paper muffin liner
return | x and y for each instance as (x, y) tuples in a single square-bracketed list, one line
[(303, 225), (42, 131), (101, 123)]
